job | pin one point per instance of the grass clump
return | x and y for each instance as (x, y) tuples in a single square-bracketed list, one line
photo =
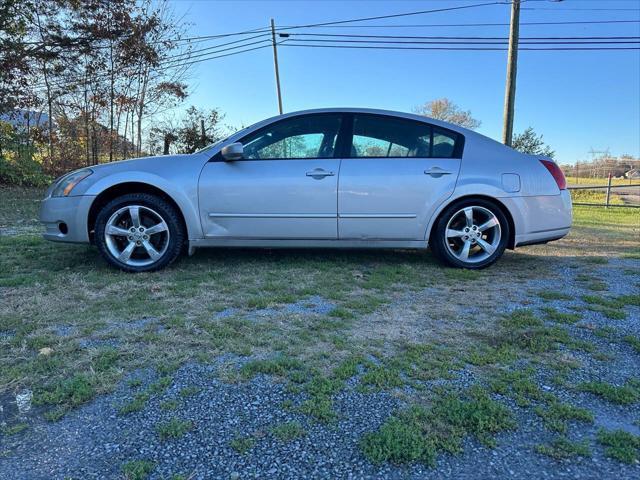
[(281, 366), (623, 395), (188, 392), (137, 469), (171, 404), (556, 415), (136, 405), (522, 329), (286, 432), (320, 408), (380, 378), (488, 355), (173, 428), (561, 317), (620, 445), (516, 384), (634, 342), (418, 433), (242, 444), (66, 394), (562, 448), (13, 429), (550, 295)]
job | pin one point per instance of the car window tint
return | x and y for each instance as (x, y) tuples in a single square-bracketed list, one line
[(379, 136), (443, 145), (311, 136)]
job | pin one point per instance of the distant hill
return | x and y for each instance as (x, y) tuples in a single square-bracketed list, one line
[(23, 119)]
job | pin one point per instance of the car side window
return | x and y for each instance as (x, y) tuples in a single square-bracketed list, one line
[(309, 136), (444, 144), (380, 136)]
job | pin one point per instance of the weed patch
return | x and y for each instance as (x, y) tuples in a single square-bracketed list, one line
[(620, 445)]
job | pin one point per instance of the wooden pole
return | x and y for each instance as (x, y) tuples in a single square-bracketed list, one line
[(512, 67), (275, 64)]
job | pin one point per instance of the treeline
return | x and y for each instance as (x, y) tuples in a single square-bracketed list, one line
[(625, 166), (81, 82)]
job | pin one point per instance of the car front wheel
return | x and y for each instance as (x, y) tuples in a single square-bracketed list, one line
[(139, 232), (470, 234)]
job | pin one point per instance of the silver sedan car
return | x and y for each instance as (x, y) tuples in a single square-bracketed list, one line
[(350, 178)]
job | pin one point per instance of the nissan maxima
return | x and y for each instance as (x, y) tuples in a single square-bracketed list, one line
[(345, 178)]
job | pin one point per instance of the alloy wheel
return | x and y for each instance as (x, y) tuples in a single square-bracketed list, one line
[(473, 234), (136, 235)]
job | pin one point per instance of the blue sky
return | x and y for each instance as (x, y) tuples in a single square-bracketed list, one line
[(578, 100)]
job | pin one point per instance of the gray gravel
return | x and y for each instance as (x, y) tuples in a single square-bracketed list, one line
[(94, 441)]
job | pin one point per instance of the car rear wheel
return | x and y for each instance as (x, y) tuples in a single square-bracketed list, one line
[(470, 234), (139, 232)]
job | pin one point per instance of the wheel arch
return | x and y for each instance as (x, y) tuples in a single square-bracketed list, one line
[(124, 188), (501, 205)]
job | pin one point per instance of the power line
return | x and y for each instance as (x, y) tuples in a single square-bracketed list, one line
[(586, 22), (481, 42), (379, 47), (397, 15), (432, 37), (167, 63)]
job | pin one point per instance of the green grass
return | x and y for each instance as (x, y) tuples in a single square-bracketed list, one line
[(137, 404), (554, 315), (523, 330), (557, 415), (516, 384), (633, 341), (623, 395), (242, 444), (561, 448), (289, 431), (173, 428), (137, 469), (13, 429), (620, 445), (553, 295), (170, 405), (189, 392), (418, 433)]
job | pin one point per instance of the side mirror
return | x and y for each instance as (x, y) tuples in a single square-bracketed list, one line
[(233, 151)]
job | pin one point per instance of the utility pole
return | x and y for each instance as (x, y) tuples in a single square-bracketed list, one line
[(512, 67), (275, 64)]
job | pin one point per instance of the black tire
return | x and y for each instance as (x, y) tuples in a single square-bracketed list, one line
[(175, 239), (442, 246)]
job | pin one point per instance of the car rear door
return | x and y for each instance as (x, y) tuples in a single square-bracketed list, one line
[(285, 187), (394, 175)]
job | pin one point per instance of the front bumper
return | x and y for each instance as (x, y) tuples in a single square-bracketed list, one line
[(65, 218)]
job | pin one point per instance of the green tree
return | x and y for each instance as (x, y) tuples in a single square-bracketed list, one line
[(530, 142), (199, 129)]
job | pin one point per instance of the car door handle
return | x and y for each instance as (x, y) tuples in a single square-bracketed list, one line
[(319, 173), (436, 172)]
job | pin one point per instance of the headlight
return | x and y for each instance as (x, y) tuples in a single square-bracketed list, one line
[(67, 183)]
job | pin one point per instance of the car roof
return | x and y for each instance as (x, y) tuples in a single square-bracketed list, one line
[(375, 111)]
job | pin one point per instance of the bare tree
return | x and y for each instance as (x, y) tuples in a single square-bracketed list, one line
[(444, 109)]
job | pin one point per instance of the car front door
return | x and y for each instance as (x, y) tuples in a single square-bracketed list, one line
[(398, 171), (285, 187)]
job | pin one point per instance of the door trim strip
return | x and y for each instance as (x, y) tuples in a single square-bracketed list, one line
[(271, 215), (377, 215)]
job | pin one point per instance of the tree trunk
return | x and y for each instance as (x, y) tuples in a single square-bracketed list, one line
[(141, 109)]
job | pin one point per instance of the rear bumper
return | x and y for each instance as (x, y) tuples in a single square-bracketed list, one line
[(543, 218), (65, 218)]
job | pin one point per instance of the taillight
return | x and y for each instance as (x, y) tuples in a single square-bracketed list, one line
[(556, 173)]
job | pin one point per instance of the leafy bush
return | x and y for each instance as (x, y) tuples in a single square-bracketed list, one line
[(24, 172)]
